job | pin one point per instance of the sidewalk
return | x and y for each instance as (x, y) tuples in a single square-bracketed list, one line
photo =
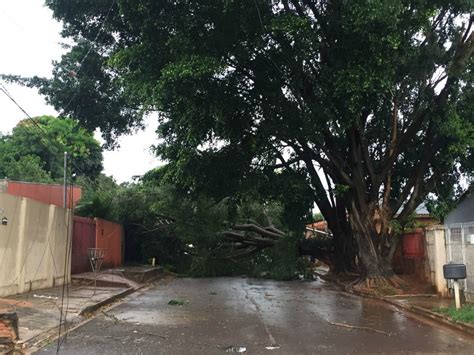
[(39, 311)]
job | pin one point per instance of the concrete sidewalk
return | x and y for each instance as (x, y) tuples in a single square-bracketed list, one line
[(425, 305), (39, 312)]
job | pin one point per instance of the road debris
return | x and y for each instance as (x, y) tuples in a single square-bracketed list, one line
[(46, 297), (358, 327), (236, 349), (273, 347), (178, 302)]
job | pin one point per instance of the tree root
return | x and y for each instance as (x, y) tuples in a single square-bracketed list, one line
[(381, 283), (359, 327)]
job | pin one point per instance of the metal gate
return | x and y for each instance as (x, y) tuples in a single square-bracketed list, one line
[(460, 251), (83, 238)]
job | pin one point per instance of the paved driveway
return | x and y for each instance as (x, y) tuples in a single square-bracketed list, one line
[(265, 317)]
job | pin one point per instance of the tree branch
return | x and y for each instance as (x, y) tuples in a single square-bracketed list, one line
[(259, 230)]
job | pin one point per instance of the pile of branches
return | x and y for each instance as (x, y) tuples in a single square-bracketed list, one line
[(248, 238)]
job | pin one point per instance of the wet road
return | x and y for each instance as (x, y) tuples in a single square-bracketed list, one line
[(290, 317)]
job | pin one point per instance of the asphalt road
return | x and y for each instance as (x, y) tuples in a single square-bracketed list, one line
[(264, 317)]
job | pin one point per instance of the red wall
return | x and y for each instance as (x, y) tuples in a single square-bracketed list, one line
[(46, 193), (109, 236), (95, 233), (413, 247)]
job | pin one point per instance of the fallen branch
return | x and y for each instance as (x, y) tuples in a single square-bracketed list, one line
[(412, 295), (259, 230), (154, 334), (358, 327), (247, 239)]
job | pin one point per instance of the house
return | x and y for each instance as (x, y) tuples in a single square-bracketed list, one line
[(459, 239), (317, 228), (464, 211)]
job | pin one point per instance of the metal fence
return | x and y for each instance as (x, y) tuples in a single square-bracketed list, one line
[(459, 250)]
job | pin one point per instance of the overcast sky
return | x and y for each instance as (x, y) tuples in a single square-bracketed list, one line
[(29, 42)]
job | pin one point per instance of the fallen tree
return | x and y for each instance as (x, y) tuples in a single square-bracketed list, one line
[(369, 103)]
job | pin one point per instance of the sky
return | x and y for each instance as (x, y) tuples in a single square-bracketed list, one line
[(29, 42)]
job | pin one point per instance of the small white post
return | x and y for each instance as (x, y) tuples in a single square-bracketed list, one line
[(65, 180), (457, 298), (152, 261)]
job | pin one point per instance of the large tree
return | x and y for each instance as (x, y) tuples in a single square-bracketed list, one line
[(34, 151), (367, 102)]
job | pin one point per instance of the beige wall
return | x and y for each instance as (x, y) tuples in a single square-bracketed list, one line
[(32, 245), (436, 257)]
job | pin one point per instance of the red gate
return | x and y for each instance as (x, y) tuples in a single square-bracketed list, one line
[(83, 238)]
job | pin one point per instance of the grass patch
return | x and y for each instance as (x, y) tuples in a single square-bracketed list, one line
[(178, 302), (464, 314)]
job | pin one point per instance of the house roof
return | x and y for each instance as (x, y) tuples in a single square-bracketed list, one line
[(421, 210)]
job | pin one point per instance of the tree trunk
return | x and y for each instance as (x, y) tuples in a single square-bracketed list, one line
[(344, 249), (375, 251)]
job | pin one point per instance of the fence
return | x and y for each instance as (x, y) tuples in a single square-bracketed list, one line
[(461, 251)]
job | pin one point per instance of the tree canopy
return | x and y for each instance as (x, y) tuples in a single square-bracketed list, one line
[(368, 103), (34, 152)]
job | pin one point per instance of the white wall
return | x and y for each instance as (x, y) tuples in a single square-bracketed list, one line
[(436, 257), (33, 245)]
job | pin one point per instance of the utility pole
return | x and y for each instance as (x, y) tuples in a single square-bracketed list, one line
[(65, 180)]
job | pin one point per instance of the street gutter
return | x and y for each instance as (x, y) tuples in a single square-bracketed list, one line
[(419, 311)]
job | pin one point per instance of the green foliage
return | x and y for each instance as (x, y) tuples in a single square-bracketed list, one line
[(281, 262), (318, 216), (33, 155), (193, 245), (464, 314), (346, 101), (174, 302), (99, 198), (26, 168)]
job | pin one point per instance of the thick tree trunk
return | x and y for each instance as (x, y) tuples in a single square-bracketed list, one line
[(344, 249), (376, 247), (375, 259)]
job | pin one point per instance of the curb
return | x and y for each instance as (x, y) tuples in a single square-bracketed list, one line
[(92, 308), (464, 327), (419, 311), (74, 323), (37, 342)]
